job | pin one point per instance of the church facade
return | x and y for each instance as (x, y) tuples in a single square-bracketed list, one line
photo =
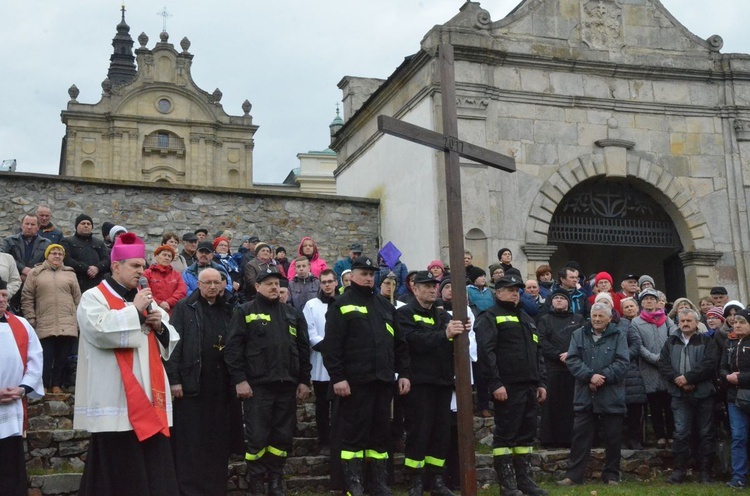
[(154, 124), (631, 137)]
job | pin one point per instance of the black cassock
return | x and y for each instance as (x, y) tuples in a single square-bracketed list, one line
[(207, 427)]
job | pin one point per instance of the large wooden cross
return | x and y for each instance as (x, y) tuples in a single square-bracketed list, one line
[(454, 148)]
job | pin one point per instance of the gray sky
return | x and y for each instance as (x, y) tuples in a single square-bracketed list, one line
[(285, 56)]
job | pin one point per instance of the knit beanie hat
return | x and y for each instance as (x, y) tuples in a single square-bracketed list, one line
[(81, 218), (51, 247), (219, 240), (730, 305), (716, 312), (604, 296), (603, 276), (436, 263), (106, 228), (646, 278)]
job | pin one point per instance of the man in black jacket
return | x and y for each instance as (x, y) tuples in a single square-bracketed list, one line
[(207, 416), (362, 351), (429, 332), (268, 355), (27, 249), (511, 361), (688, 362), (86, 254)]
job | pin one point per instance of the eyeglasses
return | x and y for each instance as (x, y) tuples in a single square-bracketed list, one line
[(332, 281), (211, 283)]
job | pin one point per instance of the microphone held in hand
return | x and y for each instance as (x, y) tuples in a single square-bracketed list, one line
[(142, 284)]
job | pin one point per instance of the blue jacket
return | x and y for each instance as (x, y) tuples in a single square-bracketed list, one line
[(481, 300), (399, 269), (190, 276)]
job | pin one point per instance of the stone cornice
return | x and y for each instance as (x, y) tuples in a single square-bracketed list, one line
[(538, 253), (705, 258)]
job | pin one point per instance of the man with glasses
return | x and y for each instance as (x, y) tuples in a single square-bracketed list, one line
[(206, 411), (315, 315)]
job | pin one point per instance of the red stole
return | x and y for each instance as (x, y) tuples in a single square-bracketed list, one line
[(147, 419), (22, 341)]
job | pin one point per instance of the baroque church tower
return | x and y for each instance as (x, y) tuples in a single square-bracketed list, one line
[(154, 124)]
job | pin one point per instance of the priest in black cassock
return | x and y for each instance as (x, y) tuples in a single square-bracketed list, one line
[(207, 415)]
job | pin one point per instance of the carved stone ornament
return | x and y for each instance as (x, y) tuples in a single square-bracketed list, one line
[(715, 43), (247, 107), (164, 36), (185, 44), (143, 39), (73, 92), (484, 20), (217, 94), (601, 24), (107, 86)]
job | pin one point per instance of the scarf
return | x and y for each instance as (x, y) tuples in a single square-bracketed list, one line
[(147, 418), (656, 318)]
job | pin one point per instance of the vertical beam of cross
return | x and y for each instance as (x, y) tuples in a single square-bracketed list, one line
[(465, 408), (164, 14)]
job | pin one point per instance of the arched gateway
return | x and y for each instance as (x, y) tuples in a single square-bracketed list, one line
[(609, 224), (621, 212)]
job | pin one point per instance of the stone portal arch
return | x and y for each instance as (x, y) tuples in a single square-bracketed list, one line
[(699, 254)]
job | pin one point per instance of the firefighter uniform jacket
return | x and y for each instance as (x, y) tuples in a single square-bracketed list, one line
[(361, 343), (508, 347), (430, 351), (268, 343)]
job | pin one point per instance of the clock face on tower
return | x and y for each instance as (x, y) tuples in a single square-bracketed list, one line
[(164, 105)]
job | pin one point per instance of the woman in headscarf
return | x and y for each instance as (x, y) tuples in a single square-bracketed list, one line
[(308, 248)]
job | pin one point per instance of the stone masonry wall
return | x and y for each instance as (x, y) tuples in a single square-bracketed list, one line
[(149, 210)]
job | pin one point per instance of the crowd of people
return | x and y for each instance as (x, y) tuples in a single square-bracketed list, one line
[(182, 356)]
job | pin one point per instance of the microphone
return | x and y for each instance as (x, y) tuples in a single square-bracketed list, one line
[(143, 283)]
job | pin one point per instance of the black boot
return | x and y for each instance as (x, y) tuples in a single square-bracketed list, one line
[(352, 470), (379, 471), (256, 486), (706, 468), (414, 481), (506, 476), (526, 484), (680, 469), (276, 485), (438, 487)]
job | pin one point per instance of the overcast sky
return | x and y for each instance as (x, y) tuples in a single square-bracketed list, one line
[(285, 56)]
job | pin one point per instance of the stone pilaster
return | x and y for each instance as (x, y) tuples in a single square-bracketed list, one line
[(700, 272), (536, 255)]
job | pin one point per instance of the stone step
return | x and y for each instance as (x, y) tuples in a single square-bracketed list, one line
[(57, 484)]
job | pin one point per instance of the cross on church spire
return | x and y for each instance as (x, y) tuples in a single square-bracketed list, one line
[(164, 14), (122, 9)]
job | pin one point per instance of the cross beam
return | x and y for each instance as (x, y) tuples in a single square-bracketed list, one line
[(445, 143), (454, 148)]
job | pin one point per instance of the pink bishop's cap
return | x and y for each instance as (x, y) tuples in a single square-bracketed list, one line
[(128, 245)]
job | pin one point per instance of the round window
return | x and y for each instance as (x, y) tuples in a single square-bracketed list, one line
[(164, 105)]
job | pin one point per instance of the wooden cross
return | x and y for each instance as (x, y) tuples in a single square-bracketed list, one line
[(454, 148)]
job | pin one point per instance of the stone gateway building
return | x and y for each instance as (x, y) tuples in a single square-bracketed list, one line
[(631, 138), (154, 124)]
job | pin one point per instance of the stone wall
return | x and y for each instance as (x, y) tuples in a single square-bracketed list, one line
[(277, 217)]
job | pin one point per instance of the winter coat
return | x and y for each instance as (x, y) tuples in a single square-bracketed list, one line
[(736, 358), (317, 264), (52, 233), (81, 252), (652, 341), (430, 350), (166, 285), (479, 299), (190, 276), (361, 342), (401, 272), (703, 355), (635, 390), (252, 269), (268, 343), (9, 273), (508, 347), (303, 290), (49, 300), (555, 330), (15, 247), (609, 357), (184, 366)]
